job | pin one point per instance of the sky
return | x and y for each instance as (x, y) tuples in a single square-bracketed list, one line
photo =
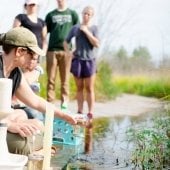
[(128, 23)]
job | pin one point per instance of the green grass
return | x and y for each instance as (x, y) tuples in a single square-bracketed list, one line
[(151, 142), (144, 85), (108, 86)]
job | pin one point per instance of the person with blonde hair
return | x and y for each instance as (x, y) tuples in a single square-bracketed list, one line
[(83, 65)]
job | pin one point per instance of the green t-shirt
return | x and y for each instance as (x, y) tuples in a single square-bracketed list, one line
[(59, 24)]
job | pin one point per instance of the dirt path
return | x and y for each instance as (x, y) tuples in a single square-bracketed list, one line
[(125, 104)]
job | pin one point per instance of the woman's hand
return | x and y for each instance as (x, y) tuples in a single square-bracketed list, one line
[(84, 28)]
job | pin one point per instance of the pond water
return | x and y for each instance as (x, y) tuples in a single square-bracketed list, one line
[(104, 147)]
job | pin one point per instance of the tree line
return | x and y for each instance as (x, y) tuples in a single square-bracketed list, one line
[(138, 62)]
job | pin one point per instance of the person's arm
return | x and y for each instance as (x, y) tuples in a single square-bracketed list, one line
[(75, 17), (93, 39), (17, 23), (67, 49), (48, 22), (67, 41), (44, 39), (29, 98)]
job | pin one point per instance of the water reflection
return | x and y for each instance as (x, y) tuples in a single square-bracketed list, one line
[(105, 146), (102, 147), (88, 142)]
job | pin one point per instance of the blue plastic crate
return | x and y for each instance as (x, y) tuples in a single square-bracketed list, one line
[(64, 133)]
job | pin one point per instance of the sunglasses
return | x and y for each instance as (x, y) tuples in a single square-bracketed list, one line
[(31, 53)]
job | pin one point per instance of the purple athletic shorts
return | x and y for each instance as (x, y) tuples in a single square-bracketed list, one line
[(83, 68)]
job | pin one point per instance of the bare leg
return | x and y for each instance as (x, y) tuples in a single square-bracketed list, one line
[(80, 97), (89, 84)]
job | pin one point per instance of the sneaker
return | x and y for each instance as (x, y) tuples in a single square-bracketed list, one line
[(90, 115), (64, 105)]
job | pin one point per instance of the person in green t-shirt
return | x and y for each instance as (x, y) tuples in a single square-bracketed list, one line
[(59, 22)]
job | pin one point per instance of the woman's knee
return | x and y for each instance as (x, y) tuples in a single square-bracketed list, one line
[(89, 89)]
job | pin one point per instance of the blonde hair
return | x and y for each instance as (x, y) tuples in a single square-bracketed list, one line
[(89, 8)]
